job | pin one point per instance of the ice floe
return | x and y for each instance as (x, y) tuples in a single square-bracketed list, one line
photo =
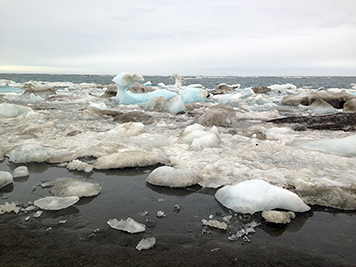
[(20, 171), (56, 203), (64, 186), (257, 195), (129, 225)]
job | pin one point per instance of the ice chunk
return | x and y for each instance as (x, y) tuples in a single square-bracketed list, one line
[(192, 94), (215, 224), (257, 195), (169, 176), (20, 171), (62, 187), (10, 110), (126, 129), (129, 225), (8, 207), (30, 153), (280, 217), (130, 159), (340, 146), (146, 243), (79, 166), (174, 105), (198, 137), (5, 178), (56, 203)]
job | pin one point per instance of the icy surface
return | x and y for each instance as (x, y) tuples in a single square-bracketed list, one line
[(56, 203), (280, 217), (129, 225), (9, 207), (63, 187), (257, 195)]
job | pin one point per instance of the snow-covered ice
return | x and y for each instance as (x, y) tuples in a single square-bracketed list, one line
[(6, 178)]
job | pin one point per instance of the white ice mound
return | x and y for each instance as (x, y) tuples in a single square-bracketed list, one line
[(56, 203), (30, 153), (146, 243), (9, 110), (169, 176), (345, 147), (129, 225), (79, 166), (130, 159), (63, 186), (257, 195), (198, 137), (21, 171), (5, 179), (174, 105)]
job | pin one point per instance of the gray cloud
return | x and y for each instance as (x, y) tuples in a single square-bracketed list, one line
[(189, 37)]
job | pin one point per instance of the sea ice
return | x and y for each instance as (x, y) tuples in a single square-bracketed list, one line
[(30, 153), (20, 171), (339, 146), (172, 177), (5, 178), (10, 110), (198, 137), (257, 195), (130, 159), (146, 243), (174, 105), (79, 166), (129, 225), (56, 203), (62, 187)]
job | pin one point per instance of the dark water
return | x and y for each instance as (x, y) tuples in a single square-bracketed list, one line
[(125, 193), (208, 82)]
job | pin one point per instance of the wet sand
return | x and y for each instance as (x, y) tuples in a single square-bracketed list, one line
[(321, 237)]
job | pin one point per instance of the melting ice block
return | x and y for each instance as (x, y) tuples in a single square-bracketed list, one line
[(198, 137), (56, 203), (257, 195), (5, 179), (62, 187), (129, 225), (169, 176)]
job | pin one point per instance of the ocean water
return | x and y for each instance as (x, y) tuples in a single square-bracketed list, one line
[(208, 82), (66, 127)]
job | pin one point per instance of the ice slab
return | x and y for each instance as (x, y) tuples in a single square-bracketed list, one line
[(257, 195), (64, 186), (56, 203), (129, 225), (10, 110)]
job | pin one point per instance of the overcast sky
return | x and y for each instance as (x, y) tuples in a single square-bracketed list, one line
[(188, 37)]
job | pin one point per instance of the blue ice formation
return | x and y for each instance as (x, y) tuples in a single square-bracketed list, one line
[(125, 80)]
